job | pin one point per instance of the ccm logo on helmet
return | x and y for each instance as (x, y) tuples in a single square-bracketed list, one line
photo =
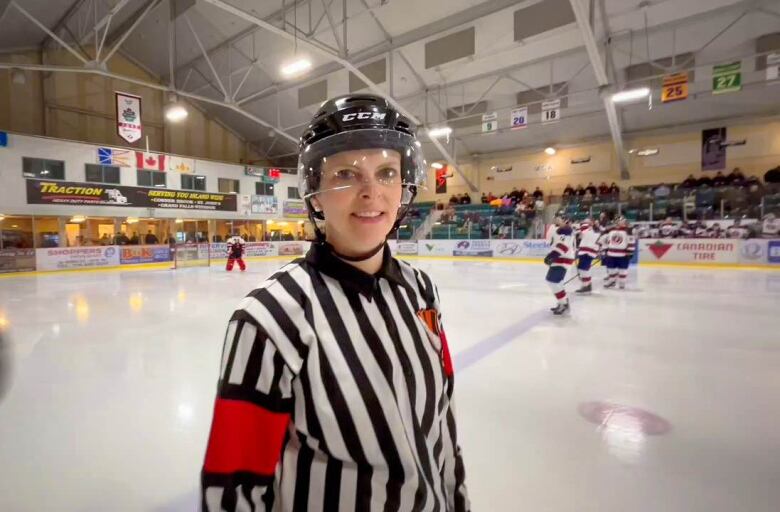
[(376, 116)]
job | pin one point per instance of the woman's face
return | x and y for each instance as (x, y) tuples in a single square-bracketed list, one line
[(360, 199)]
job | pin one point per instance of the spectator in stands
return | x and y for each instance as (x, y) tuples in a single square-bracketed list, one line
[(538, 194), (580, 191), (491, 197), (568, 191), (588, 197), (704, 181), (506, 201), (515, 195), (496, 202), (772, 176), (662, 191), (614, 189), (690, 182), (592, 189), (454, 199), (523, 193), (134, 239), (104, 240), (603, 189), (719, 180), (483, 199), (465, 199), (736, 178), (151, 238)]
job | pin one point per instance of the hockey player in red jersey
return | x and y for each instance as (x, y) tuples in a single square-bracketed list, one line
[(235, 252), (560, 259), (587, 251)]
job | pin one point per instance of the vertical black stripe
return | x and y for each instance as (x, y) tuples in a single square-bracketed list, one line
[(422, 354), (264, 297), (312, 421), (233, 347), (363, 489), (386, 365), (411, 384), (254, 362), (460, 500), (278, 371), (332, 495), (302, 478), (367, 392)]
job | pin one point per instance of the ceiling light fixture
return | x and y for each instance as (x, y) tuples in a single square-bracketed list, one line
[(630, 95), (296, 67), (550, 151), (442, 131)]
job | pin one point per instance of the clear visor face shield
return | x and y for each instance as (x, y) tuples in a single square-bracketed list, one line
[(359, 158)]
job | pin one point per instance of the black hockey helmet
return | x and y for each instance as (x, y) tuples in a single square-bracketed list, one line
[(354, 122)]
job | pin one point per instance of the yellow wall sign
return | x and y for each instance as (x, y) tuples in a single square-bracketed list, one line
[(675, 87)]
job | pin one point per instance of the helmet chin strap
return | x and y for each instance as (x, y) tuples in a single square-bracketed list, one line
[(360, 257)]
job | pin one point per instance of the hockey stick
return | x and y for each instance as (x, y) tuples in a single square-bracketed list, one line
[(576, 275)]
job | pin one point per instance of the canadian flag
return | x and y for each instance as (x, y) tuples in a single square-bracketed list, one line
[(149, 161)]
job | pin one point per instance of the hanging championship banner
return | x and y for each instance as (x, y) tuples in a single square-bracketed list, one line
[(441, 180), (713, 149), (519, 118), (551, 111), (726, 78), (489, 122), (773, 66), (128, 117), (675, 87)]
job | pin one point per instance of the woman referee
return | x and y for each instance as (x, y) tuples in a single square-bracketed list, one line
[(336, 380)]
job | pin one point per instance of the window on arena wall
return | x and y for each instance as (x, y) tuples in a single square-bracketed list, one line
[(83, 231), (47, 232), (228, 186), (43, 169), (193, 182), (16, 232), (102, 173), (264, 189), (151, 179), (250, 230), (293, 193)]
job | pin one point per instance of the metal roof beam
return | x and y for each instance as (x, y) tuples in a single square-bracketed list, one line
[(599, 70)]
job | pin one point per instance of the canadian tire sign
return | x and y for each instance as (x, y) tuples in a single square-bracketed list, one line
[(684, 250)]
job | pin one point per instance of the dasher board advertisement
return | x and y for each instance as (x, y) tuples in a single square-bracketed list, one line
[(95, 194)]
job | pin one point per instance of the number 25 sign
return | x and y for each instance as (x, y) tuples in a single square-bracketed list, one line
[(675, 87)]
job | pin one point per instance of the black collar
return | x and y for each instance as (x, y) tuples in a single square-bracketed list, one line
[(321, 257)]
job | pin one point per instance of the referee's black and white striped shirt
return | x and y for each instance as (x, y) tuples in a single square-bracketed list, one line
[(336, 395)]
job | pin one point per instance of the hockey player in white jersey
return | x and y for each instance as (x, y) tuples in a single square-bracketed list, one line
[(620, 247), (560, 259), (235, 252), (587, 252)]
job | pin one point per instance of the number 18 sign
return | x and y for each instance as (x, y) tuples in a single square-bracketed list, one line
[(519, 118)]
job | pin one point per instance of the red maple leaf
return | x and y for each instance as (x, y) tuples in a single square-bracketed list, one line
[(150, 161), (659, 249)]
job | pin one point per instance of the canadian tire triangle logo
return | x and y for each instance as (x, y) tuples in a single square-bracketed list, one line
[(659, 249)]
